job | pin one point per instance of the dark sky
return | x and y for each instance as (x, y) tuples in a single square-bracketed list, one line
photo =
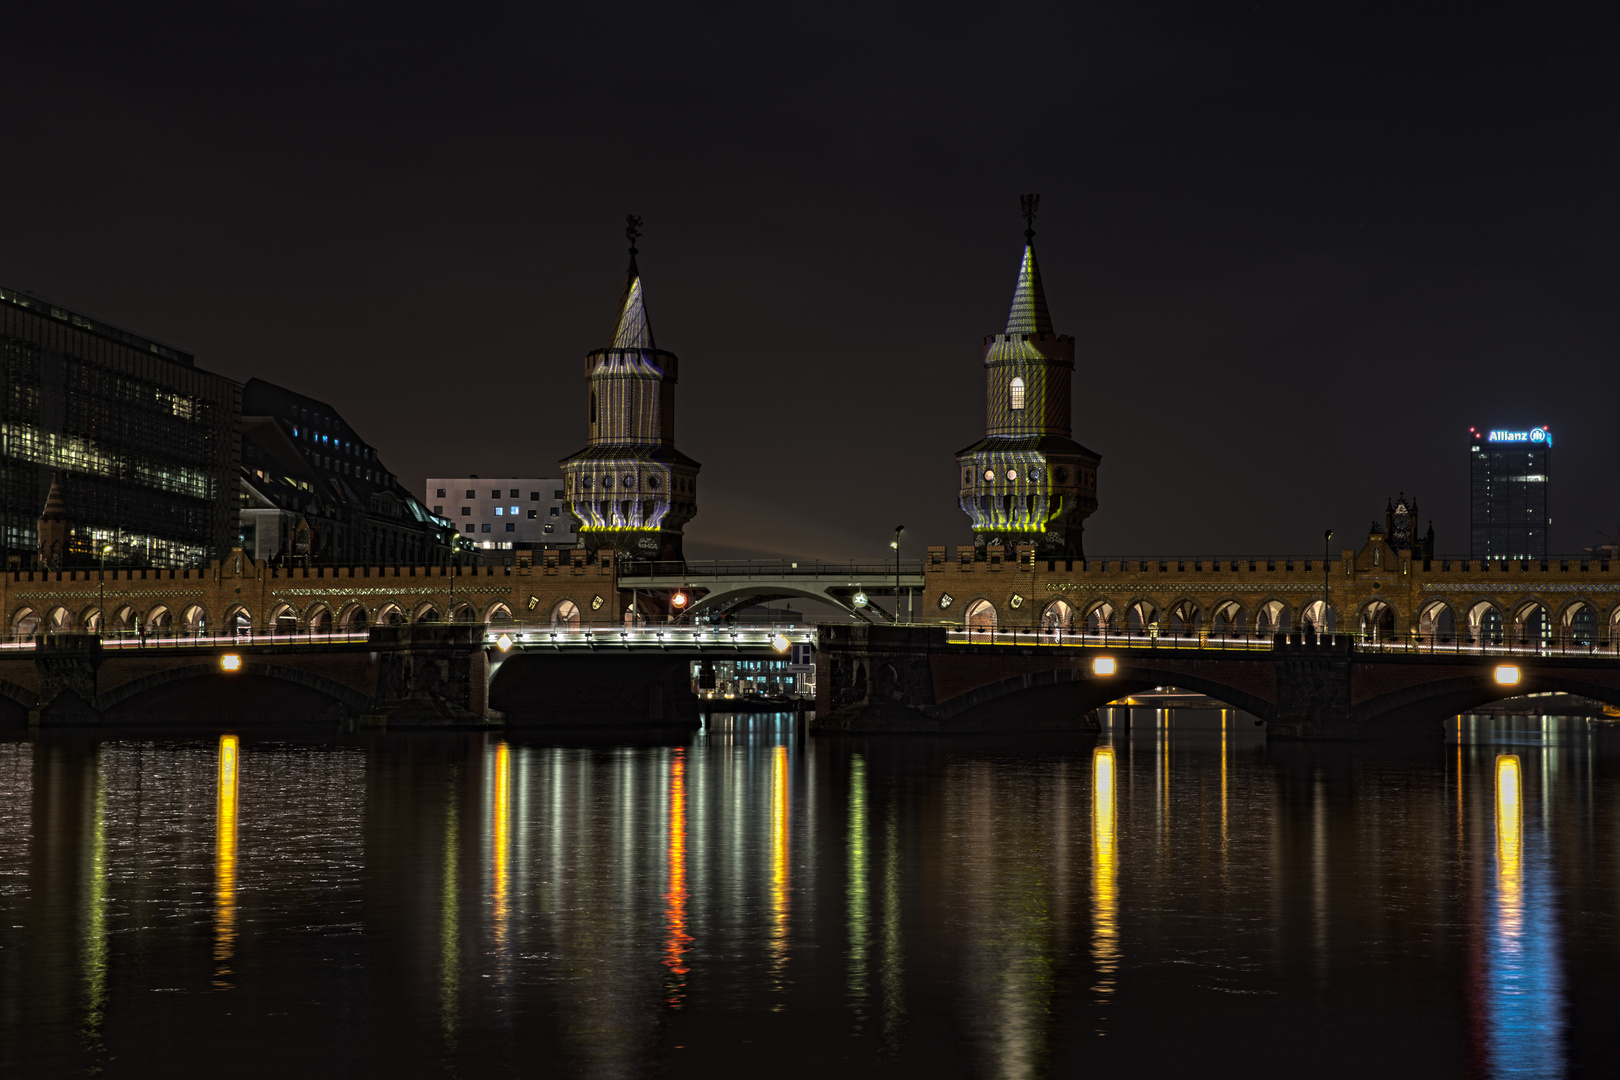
[(1302, 247)]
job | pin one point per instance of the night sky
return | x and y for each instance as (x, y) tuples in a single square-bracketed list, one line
[(1302, 248)]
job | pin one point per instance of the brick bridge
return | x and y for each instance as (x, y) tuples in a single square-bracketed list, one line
[(932, 679), (405, 676)]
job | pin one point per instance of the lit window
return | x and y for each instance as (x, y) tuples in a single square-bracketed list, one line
[(499, 510), (550, 528), (555, 511), (1015, 393), (1012, 474), (989, 474), (514, 509), (534, 513)]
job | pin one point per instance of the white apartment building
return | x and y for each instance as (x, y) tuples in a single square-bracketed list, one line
[(499, 513)]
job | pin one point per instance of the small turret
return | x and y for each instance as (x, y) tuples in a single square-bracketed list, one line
[(54, 530)]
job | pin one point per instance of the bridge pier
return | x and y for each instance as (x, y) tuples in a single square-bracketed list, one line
[(1313, 689)]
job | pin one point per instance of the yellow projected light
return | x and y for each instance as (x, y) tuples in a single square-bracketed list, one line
[(1104, 665), (230, 662), (1507, 675)]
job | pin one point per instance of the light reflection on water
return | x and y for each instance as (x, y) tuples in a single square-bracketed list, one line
[(751, 900)]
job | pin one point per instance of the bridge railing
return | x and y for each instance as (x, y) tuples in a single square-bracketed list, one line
[(962, 635), (191, 639), (874, 572), (598, 637)]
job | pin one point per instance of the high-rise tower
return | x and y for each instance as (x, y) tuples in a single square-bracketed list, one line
[(1027, 481), (630, 489)]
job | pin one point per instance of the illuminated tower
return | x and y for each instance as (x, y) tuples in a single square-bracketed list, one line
[(1027, 481), (630, 489)]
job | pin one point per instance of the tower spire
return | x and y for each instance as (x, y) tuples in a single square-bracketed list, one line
[(1029, 314), (632, 330)]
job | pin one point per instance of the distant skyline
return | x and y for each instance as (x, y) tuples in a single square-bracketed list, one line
[(1301, 252)]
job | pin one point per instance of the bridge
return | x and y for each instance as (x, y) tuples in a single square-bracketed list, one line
[(398, 676), (935, 679), (719, 588)]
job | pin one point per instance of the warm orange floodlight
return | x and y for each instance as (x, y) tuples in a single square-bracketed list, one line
[(1507, 674), (230, 662), (1104, 665), (679, 599)]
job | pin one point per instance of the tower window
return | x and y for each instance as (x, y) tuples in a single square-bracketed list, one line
[(1015, 394)]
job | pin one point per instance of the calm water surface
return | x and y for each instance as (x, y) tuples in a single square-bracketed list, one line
[(749, 901)]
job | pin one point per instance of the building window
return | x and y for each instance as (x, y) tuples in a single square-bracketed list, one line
[(511, 526), (534, 496), (439, 510), (555, 511), (441, 493), (556, 494), (549, 528), (514, 493), (466, 511), (534, 514), (499, 510), (486, 527), (471, 493), (495, 494), (514, 509), (1015, 393)]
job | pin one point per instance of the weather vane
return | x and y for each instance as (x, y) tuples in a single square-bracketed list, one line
[(632, 229), (1032, 205)]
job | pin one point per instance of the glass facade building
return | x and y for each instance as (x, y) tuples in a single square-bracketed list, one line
[(1508, 474), (144, 444)]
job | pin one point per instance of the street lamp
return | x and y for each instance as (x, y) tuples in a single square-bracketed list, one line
[(455, 550), (1321, 631), (898, 529), (101, 592)]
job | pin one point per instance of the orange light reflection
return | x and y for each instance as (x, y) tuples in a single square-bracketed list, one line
[(779, 860), (1104, 874), (676, 939)]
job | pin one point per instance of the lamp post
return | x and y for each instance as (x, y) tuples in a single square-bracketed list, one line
[(455, 549), (1326, 536), (101, 592), (898, 529)]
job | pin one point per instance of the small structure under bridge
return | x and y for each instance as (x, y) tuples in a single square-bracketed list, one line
[(720, 588)]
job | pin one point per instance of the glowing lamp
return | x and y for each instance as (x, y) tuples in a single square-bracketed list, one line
[(779, 642), (1507, 675), (1104, 665), (504, 642), (679, 599), (230, 662), (860, 599)]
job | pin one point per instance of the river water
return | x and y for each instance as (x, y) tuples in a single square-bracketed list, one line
[(749, 901)]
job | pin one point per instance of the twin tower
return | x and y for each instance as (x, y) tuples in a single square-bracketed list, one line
[(1026, 482)]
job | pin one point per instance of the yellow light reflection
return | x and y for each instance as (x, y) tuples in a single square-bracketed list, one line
[(894, 1003), (1104, 874), (95, 922), (501, 845), (1510, 843), (1223, 789), (450, 923), (857, 886), (779, 861), (225, 863), (676, 939)]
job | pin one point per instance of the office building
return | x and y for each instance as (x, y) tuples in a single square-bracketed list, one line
[(503, 513), (142, 444), (313, 491), (1508, 511)]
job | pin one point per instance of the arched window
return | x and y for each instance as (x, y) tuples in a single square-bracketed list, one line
[(1015, 394)]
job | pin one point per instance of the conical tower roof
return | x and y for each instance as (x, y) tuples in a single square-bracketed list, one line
[(632, 330), (1029, 314), (55, 504)]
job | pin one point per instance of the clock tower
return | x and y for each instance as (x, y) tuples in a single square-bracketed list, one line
[(630, 489), (1027, 481)]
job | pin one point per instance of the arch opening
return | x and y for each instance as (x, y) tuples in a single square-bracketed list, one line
[(980, 617)]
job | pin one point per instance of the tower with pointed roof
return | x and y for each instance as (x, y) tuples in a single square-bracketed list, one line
[(630, 489), (54, 531), (1027, 481)]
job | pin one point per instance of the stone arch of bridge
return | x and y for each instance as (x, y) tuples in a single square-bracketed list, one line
[(497, 614), (124, 617), (980, 614), (1577, 622), (1099, 615), (1319, 616), (1271, 616), (159, 617), (194, 618), (89, 617), (237, 617), (1413, 708), (1377, 620), (283, 619), (1186, 617), (319, 618), (1485, 623), (1058, 617), (1532, 623), (1141, 613), (426, 611), (129, 693), (354, 616), (24, 622), (1070, 689), (565, 614), (58, 620), (389, 614), (1227, 617), (1437, 621)]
